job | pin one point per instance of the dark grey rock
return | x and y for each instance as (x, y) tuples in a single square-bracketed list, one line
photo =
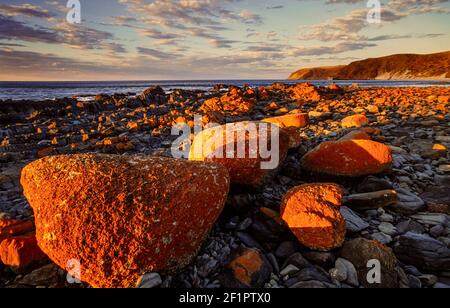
[(423, 252), (354, 222)]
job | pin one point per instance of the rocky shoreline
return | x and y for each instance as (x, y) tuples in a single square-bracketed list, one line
[(395, 208)]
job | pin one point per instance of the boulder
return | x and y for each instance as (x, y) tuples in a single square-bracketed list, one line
[(312, 214), (360, 251), (358, 120), (120, 217), (242, 154), (20, 251), (349, 158)]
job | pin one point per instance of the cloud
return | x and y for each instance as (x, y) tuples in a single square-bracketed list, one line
[(26, 10), (336, 49), (156, 54), (11, 29)]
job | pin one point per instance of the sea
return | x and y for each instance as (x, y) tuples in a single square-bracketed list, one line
[(86, 90)]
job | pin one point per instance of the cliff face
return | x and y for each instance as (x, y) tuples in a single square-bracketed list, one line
[(402, 66)]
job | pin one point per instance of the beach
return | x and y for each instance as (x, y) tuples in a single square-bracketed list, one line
[(403, 205)]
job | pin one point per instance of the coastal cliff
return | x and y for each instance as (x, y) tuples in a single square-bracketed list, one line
[(401, 66)]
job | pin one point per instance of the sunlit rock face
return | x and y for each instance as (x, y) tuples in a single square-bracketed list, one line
[(122, 216), (349, 158), (312, 213), (252, 152)]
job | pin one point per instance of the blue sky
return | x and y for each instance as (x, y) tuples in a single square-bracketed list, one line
[(208, 39)]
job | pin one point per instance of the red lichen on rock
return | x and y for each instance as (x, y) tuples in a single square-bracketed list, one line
[(222, 145), (312, 213), (20, 251), (123, 216), (352, 158)]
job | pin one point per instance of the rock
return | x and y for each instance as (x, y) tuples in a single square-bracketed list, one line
[(432, 219), (373, 184), (444, 168), (387, 228), (248, 268), (285, 250), (297, 260), (20, 251), (414, 282), (408, 202), (428, 280), (9, 228), (437, 231), (358, 120), (304, 92), (312, 214), (437, 195), (351, 158), (354, 222), (289, 270), (121, 216), (381, 237), (149, 281), (249, 167), (298, 120), (423, 252), (345, 271), (45, 276), (312, 284), (360, 251), (356, 135), (373, 200), (248, 240), (410, 226), (323, 259), (154, 94)]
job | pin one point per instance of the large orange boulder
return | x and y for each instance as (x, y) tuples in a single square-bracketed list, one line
[(251, 151), (305, 92), (120, 217), (358, 120), (20, 251), (312, 213), (350, 158)]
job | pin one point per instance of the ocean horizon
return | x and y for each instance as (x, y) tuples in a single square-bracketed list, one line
[(48, 90)]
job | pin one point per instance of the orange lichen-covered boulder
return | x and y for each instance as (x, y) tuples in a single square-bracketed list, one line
[(298, 120), (122, 216), (312, 213), (251, 151), (358, 120), (20, 251), (350, 158), (10, 227)]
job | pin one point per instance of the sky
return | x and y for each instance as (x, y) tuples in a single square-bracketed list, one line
[(208, 39)]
